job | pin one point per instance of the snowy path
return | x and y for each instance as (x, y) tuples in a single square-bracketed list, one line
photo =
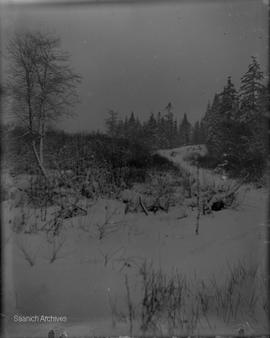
[(251, 212), (207, 176)]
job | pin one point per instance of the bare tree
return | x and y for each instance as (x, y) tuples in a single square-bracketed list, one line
[(41, 85)]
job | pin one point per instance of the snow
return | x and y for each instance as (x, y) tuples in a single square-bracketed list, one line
[(88, 274)]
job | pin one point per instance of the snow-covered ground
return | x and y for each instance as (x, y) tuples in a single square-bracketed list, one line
[(85, 279)]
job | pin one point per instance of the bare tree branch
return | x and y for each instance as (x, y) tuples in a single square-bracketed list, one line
[(41, 85)]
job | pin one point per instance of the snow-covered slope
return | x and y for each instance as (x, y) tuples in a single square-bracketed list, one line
[(86, 281)]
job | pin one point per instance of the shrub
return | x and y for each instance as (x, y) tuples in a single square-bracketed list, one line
[(184, 304), (162, 163), (207, 162)]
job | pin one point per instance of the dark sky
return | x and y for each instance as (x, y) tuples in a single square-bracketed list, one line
[(138, 57)]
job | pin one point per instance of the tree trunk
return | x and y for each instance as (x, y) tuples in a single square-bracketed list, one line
[(198, 202), (39, 163), (41, 141)]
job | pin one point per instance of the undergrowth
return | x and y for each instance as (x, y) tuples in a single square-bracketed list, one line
[(186, 305)]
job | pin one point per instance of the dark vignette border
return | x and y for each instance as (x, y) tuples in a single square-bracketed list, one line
[(69, 3)]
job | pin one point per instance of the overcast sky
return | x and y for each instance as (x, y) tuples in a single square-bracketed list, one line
[(138, 57)]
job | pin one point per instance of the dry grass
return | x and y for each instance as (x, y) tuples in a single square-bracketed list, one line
[(131, 312), (28, 248), (185, 305), (55, 248), (101, 229)]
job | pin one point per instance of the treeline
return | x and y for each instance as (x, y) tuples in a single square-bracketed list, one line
[(235, 126), (160, 131)]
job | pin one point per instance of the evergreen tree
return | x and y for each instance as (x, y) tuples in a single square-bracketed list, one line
[(151, 131), (202, 132), (213, 120), (253, 104), (120, 129), (111, 123), (169, 125), (163, 139), (175, 134), (229, 114), (234, 125), (250, 92), (185, 131), (125, 131), (131, 126), (229, 101), (196, 133)]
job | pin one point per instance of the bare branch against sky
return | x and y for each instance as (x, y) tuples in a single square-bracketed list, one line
[(140, 56)]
